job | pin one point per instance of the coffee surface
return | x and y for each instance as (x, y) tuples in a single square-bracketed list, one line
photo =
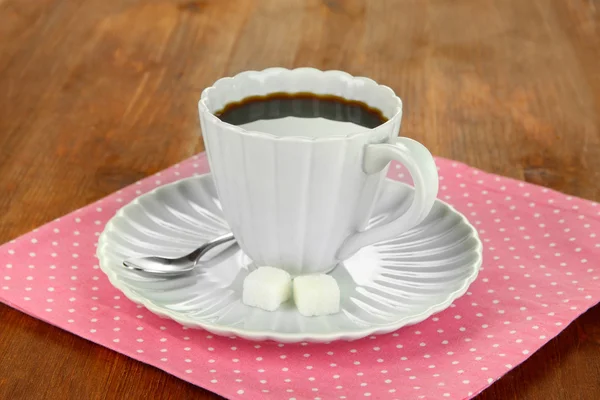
[(278, 111)]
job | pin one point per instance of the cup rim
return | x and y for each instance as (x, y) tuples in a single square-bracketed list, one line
[(205, 111)]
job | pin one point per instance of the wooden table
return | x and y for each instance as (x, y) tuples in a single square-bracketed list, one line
[(96, 94)]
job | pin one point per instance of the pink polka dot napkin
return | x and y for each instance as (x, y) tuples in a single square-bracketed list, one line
[(540, 272)]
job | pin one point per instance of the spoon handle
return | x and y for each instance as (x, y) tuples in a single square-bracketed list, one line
[(197, 254)]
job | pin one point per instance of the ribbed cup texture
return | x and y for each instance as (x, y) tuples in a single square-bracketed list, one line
[(292, 201)]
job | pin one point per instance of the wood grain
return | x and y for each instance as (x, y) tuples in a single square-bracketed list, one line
[(96, 94)]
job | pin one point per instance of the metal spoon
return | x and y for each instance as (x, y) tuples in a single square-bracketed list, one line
[(181, 265)]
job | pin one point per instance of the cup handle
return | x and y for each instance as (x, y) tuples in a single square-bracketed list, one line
[(421, 166)]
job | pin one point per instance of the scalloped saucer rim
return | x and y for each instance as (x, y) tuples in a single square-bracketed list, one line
[(115, 276)]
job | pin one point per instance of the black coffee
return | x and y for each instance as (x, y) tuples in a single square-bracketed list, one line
[(300, 105)]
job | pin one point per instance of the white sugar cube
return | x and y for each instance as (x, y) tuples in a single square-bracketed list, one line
[(316, 295), (267, 288)]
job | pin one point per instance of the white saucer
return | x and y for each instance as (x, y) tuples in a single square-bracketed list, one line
[(384, 287)]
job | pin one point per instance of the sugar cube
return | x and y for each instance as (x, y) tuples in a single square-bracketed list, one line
[(267, 288), (316, 295)]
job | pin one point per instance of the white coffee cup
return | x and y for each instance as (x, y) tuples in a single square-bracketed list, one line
[(298, 196)]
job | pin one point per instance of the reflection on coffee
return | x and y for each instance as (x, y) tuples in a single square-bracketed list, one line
[(277, 106)]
